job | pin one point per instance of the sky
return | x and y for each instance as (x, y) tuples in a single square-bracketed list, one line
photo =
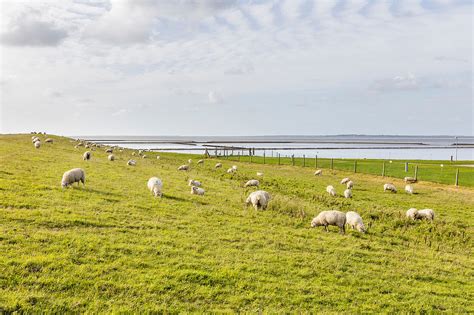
[(249, 67)]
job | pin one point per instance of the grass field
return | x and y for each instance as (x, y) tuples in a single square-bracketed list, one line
[(112, 247)]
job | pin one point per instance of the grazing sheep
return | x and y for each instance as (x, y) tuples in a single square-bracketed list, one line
[(348, 193), (259, 174), (427, 214), (155, 185), (193, 182), (183, 168), (355, 221), (318, 173), (230, 170), (409, 189), (86, 156), (111, 157), (234, 167), (330, 217), (144, 156), (87, 146), (330, 190), (48, 140), (80, 144), (259, 199), (218, 165), (350, 184), (157, 157), (197, 191), (75, 175), (140, 152), (200, 162), (345, 180), (34, 139), (134, 153), (410, 180), (389, 187), (252, 182), (411, 213), (190, 161), (131, 162), (37, 144), (109, 151)]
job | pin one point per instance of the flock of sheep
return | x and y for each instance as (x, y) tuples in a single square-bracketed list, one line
[(258, 199)]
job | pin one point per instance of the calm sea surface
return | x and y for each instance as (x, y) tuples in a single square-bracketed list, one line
[(342, 146)]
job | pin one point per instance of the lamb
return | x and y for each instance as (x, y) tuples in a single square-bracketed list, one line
[(318, 173), (200, 162), (330, 190), (410, 180), (389, 187), (252, 182), (218, 165), (345, 180), (411, 213), (193, 182), (350, 184), (75, 175), (109, 151), (131, 162), (183, 167), (155, 185), (330, 217), (86, 156), (197, 191), (111, 157), (48, 140), (348, 193), (37, 144), (409, 189), (355, 221), (427, 214), (259, 199)]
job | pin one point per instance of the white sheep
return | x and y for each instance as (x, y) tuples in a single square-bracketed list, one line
[(259, 199), (75, 175), (200, 162), (37, 144), (218, 165), (389, 187), (318, 173), (350, 184), (157, 157), (49, 140), (410, 180), (345, 180), (409, 189), (86, 156), (330, 190), (230, 170), (144, 156), (348, 193), (111, 157), (109, 151), (427, 214), (355, 221), (330, 217), (34, 139), (411, 213), (155, 185), (183, 167), (140, 152), (234, 167), (259, 174), (190, 161), (193, 182), (134, 153), (197, 191), (252, 182), (131, 162)]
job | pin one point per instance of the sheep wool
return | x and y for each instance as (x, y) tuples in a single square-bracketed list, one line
[(411, 213), (75, 175), (218, 165), (350, 184), (330, 217), (389, 187), (155, 185), (259, 174), (183, 168), (131, 162), (348, 193), (355, 221), (49, 140), (200, 162), (193, 182), (410, 180), (111, 157), (259, 199), (330, 190), (426, 214), (252, 182), (345, 180), (37, 144), (409, 189), (86, 156), (318, 173), (197, 191)]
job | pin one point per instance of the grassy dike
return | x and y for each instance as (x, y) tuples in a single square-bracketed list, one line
[(112, 247)]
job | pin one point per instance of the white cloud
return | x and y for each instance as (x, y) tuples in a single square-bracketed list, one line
[(214, 97)]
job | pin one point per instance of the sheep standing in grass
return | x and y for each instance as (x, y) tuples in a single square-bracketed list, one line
[(157, 157), (409, 189), (86, 156), (427, 214), (318, 173), (345, 180), (218, 165), (355, 221), (389, 187), (330, 190), (193, 182), (411, 213), (49, 140), (259, 199), (190, 161), (109, 151), (200, 162), (230, 170), (197, 191), (259, 174), (350, 184), (111, 157), (234, 167), (348, 193), (252, 182), (410, 180), (37, 144), (144, 156), (183, 167), (155, 185), (131, 162), (34, 139), (331, 217), (75, 175)]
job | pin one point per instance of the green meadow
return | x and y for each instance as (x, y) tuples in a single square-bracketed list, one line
[(112, 247)]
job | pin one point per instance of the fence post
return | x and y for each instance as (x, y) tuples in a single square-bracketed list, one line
[(332, 163), (293, 159), (263, 157), (250, 158), (416, 172), (278, 158), (383, 169), (355, 166), (457, 177), (406, 167), (316, 161), (304, 160)]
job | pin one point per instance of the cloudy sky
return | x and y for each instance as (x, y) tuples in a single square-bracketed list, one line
[(248, 67)]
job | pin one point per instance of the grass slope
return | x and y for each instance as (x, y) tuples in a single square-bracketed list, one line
[(112, 247)]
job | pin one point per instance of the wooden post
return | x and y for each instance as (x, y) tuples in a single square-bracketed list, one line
[(316, 161), (457, 177), (406, 167), (263, 157), (355, 166), (416, 172), (278, 158), (332, 163), (250, 158), (293, 159), (304, 160), (383, 169)]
